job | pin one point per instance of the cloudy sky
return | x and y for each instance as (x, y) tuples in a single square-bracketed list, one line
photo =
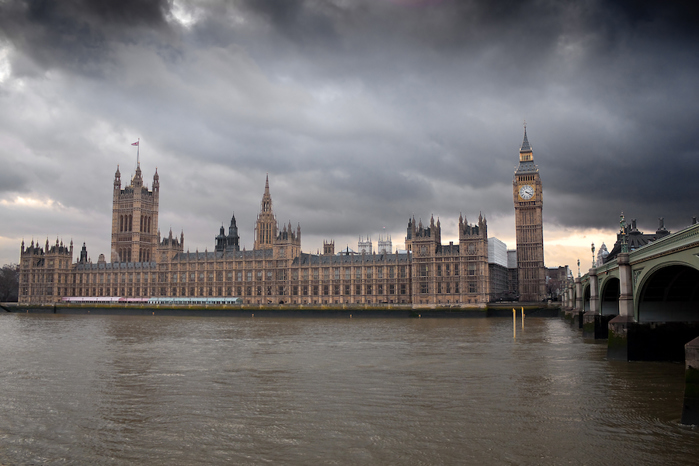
[(363, 113)]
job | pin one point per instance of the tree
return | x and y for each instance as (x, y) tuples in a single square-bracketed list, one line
[(9, 283)]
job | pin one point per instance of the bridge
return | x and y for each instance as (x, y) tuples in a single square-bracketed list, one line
[(646, 304)]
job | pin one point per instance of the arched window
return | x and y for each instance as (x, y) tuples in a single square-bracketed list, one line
[(130, 223), (121, 223)]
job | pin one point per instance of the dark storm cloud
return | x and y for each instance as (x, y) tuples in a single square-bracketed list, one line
[(77, 34), (362, 112)]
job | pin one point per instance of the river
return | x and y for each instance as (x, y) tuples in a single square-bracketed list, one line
[(196, 390)]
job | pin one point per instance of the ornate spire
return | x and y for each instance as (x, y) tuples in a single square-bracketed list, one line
[(526, 147)]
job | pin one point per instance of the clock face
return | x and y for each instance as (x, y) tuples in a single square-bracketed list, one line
[(526, 192)]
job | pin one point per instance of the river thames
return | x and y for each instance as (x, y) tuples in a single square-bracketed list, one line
[(182, 391)]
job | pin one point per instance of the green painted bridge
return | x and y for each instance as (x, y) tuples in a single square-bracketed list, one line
[(656, 283), (646, 304)]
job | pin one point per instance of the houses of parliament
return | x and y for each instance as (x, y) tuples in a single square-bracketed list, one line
[(276, 271)]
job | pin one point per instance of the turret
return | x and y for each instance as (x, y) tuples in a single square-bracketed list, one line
[(117, 181), (156, 183), (83, 254)]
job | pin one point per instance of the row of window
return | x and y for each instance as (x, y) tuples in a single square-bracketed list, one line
[(126, 223)]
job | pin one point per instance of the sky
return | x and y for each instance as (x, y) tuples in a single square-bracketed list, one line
[(363, 113)]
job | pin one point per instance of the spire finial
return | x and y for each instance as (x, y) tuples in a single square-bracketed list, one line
[(526, 147)]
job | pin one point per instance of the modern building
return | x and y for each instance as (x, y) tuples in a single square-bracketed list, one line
[(497, 268)]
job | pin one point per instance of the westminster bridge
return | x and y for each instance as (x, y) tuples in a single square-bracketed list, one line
[(646, 304)]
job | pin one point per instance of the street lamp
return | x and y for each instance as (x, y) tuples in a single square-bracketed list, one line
[(593, 255)]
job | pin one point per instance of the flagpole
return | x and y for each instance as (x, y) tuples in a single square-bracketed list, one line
[(138, 153)]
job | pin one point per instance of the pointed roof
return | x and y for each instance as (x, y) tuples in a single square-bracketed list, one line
[(526, 147)]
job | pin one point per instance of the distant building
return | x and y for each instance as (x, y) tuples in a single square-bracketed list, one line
[(364, 246), (385, 246), (601, 255), (497, 267), (635, 238), (556, 279)]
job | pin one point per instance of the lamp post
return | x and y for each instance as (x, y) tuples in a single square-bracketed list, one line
[(622, 227), (578, 268), (593, 255)]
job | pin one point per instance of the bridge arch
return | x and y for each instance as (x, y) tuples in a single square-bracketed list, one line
[(669, 293), (610, 291), (586, 297)]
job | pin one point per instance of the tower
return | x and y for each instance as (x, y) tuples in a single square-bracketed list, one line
[(231, 241), (528, 199), (135, 219), (266, 225)]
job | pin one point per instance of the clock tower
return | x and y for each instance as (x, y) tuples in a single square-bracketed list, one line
[(528, 199)]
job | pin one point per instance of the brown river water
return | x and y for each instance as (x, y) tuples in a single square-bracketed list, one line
[(182, 391)]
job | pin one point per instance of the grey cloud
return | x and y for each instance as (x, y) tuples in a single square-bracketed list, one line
[(362, 112)]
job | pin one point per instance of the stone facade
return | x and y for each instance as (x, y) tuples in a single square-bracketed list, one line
[(134, 219), (276, 271), (527, 191)]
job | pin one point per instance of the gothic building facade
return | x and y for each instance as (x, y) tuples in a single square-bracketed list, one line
[(528, 196), (275, 271)]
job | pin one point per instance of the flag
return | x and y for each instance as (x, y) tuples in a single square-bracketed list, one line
[(135, 143)]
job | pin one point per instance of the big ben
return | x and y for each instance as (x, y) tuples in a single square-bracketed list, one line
[(528, 199)]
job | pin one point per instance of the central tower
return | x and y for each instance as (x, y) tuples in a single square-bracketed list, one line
[(266, 226), (528, 198), (135, 219)]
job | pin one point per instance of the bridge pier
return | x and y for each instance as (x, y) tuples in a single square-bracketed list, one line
[(690, 407), (594, 325), (568, 303), (579, 304), (618, 333)]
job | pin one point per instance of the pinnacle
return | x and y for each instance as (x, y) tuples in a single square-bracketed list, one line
[(526, 147)]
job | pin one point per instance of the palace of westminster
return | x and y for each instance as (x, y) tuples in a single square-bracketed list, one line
[(426, 274)]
